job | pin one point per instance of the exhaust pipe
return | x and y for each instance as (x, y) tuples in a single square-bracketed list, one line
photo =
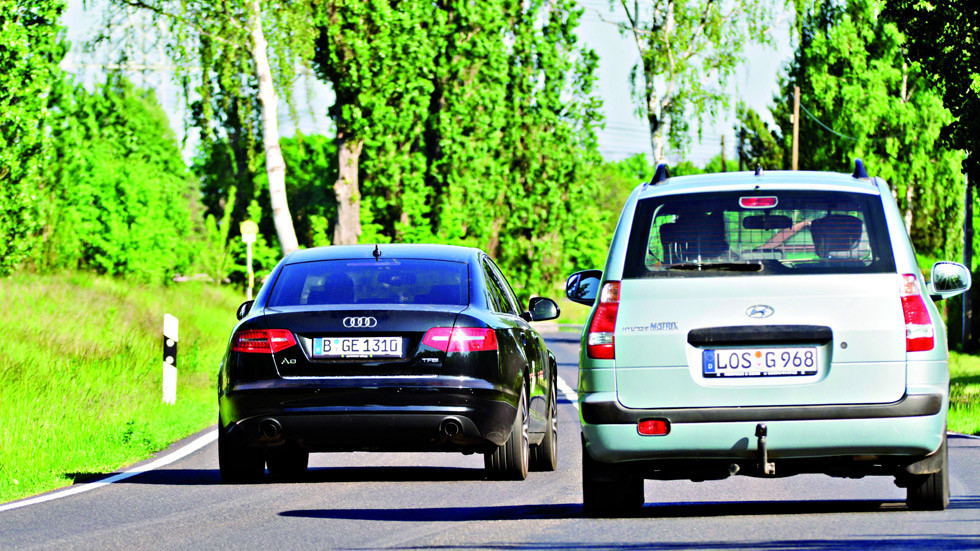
[(270, 428), (450, 427)]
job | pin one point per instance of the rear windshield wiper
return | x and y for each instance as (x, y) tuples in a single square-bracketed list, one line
[(719, 266)]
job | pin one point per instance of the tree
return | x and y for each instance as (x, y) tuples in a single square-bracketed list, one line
[(29, 55), (942, 36), (860, 99), (758, 145), (230, 81), (688, 50), (117, 193)]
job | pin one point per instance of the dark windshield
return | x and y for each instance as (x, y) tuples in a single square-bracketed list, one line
[(758, 233), (389, 281)]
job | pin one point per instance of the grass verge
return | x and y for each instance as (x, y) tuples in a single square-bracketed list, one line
[(81, 369), (964, 393)]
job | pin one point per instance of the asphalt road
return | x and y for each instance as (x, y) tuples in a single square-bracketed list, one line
[(422, 501)]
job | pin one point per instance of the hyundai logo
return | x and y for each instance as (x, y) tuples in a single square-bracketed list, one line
[(359, 322), (759, 311)]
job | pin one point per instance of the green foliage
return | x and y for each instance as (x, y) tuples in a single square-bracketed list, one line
[(942, 36), (477, 127), (83, 397), (873, 106), (759, 145), (29, 55), (688, 51), (118, 190)]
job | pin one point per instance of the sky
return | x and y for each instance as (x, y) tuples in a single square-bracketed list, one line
[(625, 133)]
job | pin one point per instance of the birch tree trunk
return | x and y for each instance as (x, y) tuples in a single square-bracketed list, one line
[(275, 166), (348, 193)]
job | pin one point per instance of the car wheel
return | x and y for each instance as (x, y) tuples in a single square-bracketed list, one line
[(510, 461), (544, 456), (608, 490), (238, 463), (288, 461), (930, 492)]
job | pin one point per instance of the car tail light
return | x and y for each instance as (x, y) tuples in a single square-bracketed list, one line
[(601, 340), (260, 341), (461, 339), (653, 427), (919, 332)]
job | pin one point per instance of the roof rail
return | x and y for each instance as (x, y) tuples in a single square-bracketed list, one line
[(859, 171), (663, 172)]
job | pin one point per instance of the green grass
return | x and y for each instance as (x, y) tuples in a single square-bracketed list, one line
[(964, 394), (80, 374)]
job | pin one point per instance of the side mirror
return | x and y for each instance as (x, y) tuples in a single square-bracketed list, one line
[(583, 287), (948, 279), (542, 309), (244, 309)]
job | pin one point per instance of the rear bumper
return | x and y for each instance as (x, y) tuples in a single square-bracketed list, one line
[(910, 428), (371, 414)]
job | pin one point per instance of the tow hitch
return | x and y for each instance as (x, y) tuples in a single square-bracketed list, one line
[(768, 469)]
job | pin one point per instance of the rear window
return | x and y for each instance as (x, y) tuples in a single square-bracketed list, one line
[(758, 233), (389, 281)]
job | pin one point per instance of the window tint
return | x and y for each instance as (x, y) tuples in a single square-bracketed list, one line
[(498, 300), (758, 233), (388, 281)]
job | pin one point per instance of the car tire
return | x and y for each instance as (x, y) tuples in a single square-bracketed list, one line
[(237, 463), (544, 456), (608, 490), (288, 461), (930, 492), (510, 461)]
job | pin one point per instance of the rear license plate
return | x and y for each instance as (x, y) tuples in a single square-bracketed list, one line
[(759, 362), (357, 347)]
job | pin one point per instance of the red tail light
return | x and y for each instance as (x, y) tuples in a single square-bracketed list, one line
[(461, 339), (600, 342), (262, 340), (653, 427), (919, 332)]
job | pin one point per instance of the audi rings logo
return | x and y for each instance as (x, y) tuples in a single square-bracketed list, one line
[(360, 322)]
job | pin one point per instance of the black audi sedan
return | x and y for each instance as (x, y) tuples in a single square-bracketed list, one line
[(387, 348)]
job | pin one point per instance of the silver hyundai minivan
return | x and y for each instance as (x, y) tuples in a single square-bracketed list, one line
[(763, 324)]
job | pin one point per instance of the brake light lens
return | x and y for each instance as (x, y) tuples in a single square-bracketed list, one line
[(261, 341), (601, 340), (653, 427), (461, 339), (757, 202), (919, 332)]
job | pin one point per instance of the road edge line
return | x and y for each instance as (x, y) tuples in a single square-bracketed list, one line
[(568, 391), (190, 448)]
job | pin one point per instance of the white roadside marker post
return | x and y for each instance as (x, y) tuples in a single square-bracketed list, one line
[(169, 359), (249, 231)]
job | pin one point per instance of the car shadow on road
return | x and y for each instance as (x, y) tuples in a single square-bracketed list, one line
[(207, 477), (650, 510), (887, 543)]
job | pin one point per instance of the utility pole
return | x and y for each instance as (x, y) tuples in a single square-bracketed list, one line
[(741, 148), (796, 128), (967, 337), (724, 167)]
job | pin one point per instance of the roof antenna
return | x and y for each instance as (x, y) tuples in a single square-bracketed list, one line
[(377, 253), (859, 171), (662, 173), (758, 170)]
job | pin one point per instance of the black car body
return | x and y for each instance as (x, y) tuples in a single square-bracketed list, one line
[(387, 348)]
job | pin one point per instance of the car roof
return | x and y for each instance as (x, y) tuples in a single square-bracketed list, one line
[(777, 179), (388, 250)]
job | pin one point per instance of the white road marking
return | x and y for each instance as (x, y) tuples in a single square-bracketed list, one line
[(965, 435), (190, 448), (568, 391)]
